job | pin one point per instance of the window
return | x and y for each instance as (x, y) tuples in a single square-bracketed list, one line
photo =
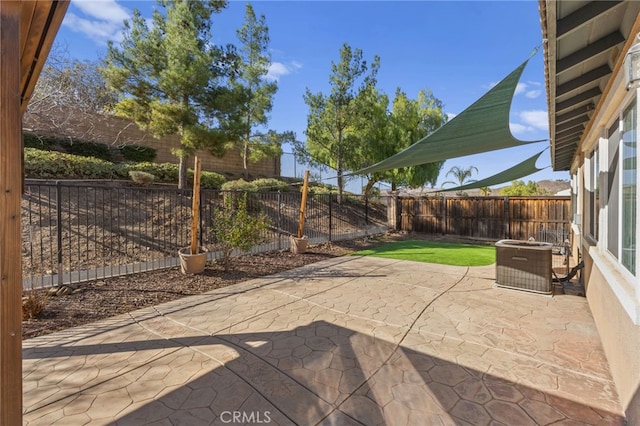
[(629, 187), (591, 212), (574, 199), (612, 182)]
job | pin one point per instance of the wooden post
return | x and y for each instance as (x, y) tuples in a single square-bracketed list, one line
[(303, 204), (10, 233), (195, 206)]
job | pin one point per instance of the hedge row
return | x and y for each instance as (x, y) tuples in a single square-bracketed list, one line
[(40, 164), (258, 185), (132, 153)]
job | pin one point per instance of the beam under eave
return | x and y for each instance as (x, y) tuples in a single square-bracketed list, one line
[(585, 109), (10, 198), (578, 99), (567, 147), (583, 80), (563, 136), (583, 15), (586, 53), (578, 121)]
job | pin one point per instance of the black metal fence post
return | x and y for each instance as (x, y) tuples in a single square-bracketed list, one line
[(59, 229), (330, 214), (279, 219)]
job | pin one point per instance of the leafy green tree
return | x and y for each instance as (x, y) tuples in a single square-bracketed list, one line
[(170, 76), (333, 137), (485, 191), (409, 121), (254, 95), (520, 189)]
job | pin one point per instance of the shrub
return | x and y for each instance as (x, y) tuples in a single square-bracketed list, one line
[(34, 304), (270, 184), (141, 178), (87, 149), (234, 228), (57, 165), (32, 140), (239, 185), (76, 147), (211, 180), (321, 189), (138, 153), (164, 172)]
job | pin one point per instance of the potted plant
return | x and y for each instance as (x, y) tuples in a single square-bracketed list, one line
[(194, 258)]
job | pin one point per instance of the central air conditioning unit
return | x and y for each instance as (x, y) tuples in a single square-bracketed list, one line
[(524, 265)]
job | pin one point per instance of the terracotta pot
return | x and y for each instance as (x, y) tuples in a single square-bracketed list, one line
[(299, 245), (192, 263)]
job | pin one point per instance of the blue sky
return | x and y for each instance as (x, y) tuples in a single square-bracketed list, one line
[(456, 49)]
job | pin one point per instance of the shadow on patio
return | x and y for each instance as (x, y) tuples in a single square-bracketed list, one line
[(319, 358)]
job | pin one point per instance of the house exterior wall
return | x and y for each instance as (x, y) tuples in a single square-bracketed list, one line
[(116, 131), (612, 288), (619, 334)]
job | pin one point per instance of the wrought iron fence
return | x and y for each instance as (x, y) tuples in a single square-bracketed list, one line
[(79, 232)]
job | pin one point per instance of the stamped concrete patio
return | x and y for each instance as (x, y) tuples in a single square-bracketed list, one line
[(346, 341)]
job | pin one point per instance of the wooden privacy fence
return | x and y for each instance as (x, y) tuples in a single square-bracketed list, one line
[(482, 217)]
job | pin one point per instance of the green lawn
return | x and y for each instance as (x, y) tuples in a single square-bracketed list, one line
[(434, 252)]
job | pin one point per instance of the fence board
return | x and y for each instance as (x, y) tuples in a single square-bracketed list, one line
[(485, 217)]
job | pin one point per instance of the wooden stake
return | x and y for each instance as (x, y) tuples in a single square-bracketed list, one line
[(10, 233), (195, 206), (303, 204)]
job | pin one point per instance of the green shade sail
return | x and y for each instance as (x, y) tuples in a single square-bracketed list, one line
[(482, 127), (520, 170)]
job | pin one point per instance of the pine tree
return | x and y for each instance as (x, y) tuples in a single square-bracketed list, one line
[(170, 76), (333, 138), (254, 95)]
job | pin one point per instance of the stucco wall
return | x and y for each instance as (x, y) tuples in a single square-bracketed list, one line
[(620, 337)]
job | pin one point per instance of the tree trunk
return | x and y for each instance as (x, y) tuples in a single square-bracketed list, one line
[(339, 165), (369, 186), (245, 161), (340, 180), (182, 172)]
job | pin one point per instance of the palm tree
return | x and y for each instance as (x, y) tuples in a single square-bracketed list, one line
[(461, 175)]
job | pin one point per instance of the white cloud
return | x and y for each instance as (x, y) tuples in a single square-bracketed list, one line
[(527, 90), (538, 119), (520, 129), (532, 94), (278, 69), (450, 115), (100, 20), (104, 10)]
